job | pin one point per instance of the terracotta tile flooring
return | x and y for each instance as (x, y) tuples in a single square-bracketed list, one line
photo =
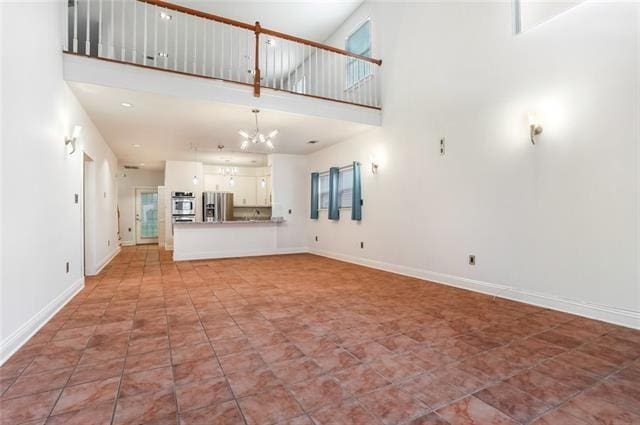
[(302, 339)]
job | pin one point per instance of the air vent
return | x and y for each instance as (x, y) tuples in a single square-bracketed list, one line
[(131, 167), (312, 142)]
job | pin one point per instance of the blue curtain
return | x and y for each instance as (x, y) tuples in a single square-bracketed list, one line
[(315, 178), (334, 197), (356, 199)]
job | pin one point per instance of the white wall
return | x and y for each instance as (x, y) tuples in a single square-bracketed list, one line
[(178, 177), (290, 199), (45, 230), (128, 181), (555, 223)]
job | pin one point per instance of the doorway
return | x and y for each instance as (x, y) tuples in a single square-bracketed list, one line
[(146, 215)]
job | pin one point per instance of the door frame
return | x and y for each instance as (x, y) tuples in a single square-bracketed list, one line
[(137, 189)]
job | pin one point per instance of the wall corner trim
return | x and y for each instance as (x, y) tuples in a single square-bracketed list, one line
[(106, 260), (20, 336), (604, 313)]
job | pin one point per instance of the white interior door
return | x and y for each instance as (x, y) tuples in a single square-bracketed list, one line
[(146, 216)]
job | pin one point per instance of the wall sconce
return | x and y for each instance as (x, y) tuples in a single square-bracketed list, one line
[(70, 142), (374, 165), (534, 127)]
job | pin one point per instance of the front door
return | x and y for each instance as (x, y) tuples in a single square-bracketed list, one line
[(146, 216)]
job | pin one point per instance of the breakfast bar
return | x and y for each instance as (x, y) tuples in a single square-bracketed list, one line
[(225, 239)]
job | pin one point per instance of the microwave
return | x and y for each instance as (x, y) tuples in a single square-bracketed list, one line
[(183, 203)]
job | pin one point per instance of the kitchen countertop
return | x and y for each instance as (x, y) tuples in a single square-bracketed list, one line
[(218, 223)]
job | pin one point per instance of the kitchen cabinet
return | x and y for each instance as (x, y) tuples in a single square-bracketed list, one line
[(244, 190), (216, 183), (247, 190)]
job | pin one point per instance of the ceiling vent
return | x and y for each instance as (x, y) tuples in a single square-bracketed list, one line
[(131, 167)]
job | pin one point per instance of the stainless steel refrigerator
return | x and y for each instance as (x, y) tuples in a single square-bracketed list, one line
[(217, 206)]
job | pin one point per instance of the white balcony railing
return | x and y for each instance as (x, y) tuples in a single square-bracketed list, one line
[(169, 37)]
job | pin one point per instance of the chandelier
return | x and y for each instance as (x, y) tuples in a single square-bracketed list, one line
[(257, 137)]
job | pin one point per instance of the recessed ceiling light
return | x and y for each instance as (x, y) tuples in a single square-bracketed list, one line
[(135, 145), (126, 104), (163, 54), (142, 164), (165, 16)]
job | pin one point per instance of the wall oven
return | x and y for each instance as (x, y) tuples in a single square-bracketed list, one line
[(183, 203)]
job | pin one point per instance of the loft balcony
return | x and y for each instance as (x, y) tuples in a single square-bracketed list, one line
[(210, 57)]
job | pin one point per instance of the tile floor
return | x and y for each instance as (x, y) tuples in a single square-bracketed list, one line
[(302, 339)]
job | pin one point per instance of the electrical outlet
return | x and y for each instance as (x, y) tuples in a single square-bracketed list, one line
[(67, 267), (289, 211), (316, 239), (361, 244), (76, 198), (442, 146), (472, 260)]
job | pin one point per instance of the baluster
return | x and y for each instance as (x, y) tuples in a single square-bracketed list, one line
[(213, 49), (87, 43), (374, 81), (323, 71), (122, 47), (166, 40), (112, 32), (358, 76), (156, 57), (307, 73), (369, 82), (144, 36), (231, 53), (274, 82), (289, 65), (134, 50), (186, 43), (316, 85), (204, 47), (195, 44), (295, 61), (222, 51), (75, 26), (352, 79), (303, 69), (175, 43)]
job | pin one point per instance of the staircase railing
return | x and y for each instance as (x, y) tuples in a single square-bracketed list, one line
[(165, 36)]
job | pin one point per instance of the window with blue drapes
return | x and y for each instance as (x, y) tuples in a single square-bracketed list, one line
[(334, 197), (335, 190), (315, 177), (356, 193)]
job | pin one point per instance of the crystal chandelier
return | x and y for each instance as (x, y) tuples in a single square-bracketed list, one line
[(257, 137)]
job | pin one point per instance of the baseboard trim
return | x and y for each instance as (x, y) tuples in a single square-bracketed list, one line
[(236, 254), (604, 313), (106, 260), (127, 243), (20, 336)]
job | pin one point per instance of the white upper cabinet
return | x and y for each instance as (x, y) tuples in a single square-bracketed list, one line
[(244, 191), (250, 186)]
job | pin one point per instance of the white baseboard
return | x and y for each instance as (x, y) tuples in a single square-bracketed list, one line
[(20, 336), (106, 260), (212, 255), (127, 243), (593, 311)]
